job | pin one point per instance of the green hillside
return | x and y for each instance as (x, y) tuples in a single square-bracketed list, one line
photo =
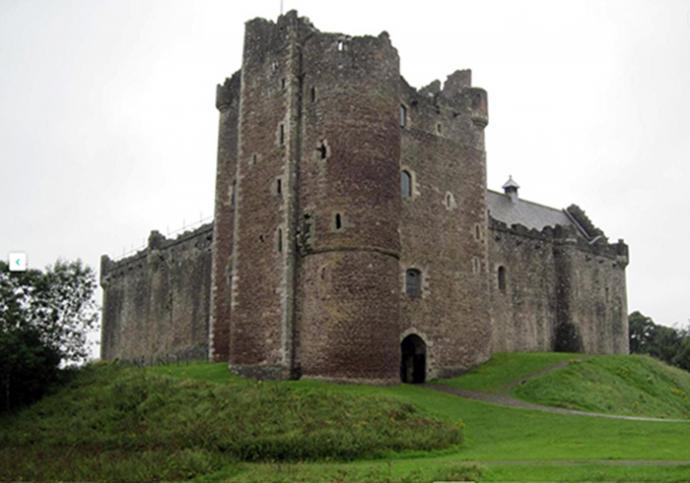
[(197, 421), (627, 385), (130, 423)]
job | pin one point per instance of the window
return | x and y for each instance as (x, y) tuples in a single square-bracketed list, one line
[(502, 278), (403, 116), (338, 222), (439, 128), (450, 200), (313, 94), (232, 194), (341, 45), (322, 149), (282, 134), (282, 83), (279, 187), (413, 282), (406, 184), (280, 240)]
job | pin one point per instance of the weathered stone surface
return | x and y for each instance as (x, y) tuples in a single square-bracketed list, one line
[(156, 302)]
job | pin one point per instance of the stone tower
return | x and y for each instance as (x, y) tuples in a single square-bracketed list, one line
[(306, 246)]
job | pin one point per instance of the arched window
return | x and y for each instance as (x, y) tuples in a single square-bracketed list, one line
[(502, 278), (406, 184), (413, 282)]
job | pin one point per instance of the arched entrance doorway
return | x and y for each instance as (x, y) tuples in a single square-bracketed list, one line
[(413, 359)]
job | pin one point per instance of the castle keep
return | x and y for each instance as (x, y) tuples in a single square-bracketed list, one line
[(354, 236)]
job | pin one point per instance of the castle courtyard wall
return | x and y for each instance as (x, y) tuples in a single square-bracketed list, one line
[(524, 310), (559, 293), (156, 302)]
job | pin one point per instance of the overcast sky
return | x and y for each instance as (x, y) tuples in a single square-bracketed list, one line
[(108, 127)]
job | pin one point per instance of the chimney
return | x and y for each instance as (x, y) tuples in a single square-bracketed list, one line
[(510, 188)]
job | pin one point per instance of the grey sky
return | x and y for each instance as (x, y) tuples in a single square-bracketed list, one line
[(108, 125)]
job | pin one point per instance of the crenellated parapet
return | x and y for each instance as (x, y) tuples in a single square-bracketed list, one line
[(455, 110), (566, 235), (228, 93), (157, 248)]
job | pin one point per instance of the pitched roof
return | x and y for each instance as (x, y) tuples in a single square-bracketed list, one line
[(523, 212)]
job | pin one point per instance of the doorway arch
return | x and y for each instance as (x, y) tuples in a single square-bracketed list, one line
[(413, 359)]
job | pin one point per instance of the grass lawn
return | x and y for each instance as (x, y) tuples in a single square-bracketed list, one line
[(630, 385), (504, 369), (499, 443)]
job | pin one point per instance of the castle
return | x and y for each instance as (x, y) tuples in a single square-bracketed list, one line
[(354, 237)]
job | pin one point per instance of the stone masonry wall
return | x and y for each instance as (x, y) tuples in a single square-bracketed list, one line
[(443, 223), (156, 302), (228, 104), (261, 326), (349, 205), (561, 292), (524, 313)]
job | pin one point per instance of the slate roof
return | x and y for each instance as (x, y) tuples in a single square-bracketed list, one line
[(527, 213)]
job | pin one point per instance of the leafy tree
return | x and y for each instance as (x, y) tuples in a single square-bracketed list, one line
[(666, 343), (44, 321), (642, 332)]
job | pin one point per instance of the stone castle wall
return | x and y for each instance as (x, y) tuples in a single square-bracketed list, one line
[(443, 223), (156, 302), (349, 205), (559, 293), (227, 102)]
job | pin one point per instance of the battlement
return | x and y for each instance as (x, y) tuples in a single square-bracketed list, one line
[(228, 93), (567, 235), (157, 242), (454, 110)]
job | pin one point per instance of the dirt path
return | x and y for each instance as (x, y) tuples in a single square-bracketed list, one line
[(580, 462), (509, 401)]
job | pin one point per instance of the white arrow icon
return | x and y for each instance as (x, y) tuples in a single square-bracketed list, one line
[(17, 262)]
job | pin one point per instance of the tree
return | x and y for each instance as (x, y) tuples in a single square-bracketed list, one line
[(44, 321), (642, 332), (666, 343)]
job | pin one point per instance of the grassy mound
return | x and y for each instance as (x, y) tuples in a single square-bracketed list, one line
[(506, 369), (141, 424), (628, 385)]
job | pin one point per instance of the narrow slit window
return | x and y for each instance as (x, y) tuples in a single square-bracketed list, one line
[(501, 278), (341, 45), (403, 116), (413, 282), (279, 187), (477, 232), (406, 184), (450, 201), (323, 150), (282, 83), (280, 240), (338, 222), (282, 134), (312, 94)]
